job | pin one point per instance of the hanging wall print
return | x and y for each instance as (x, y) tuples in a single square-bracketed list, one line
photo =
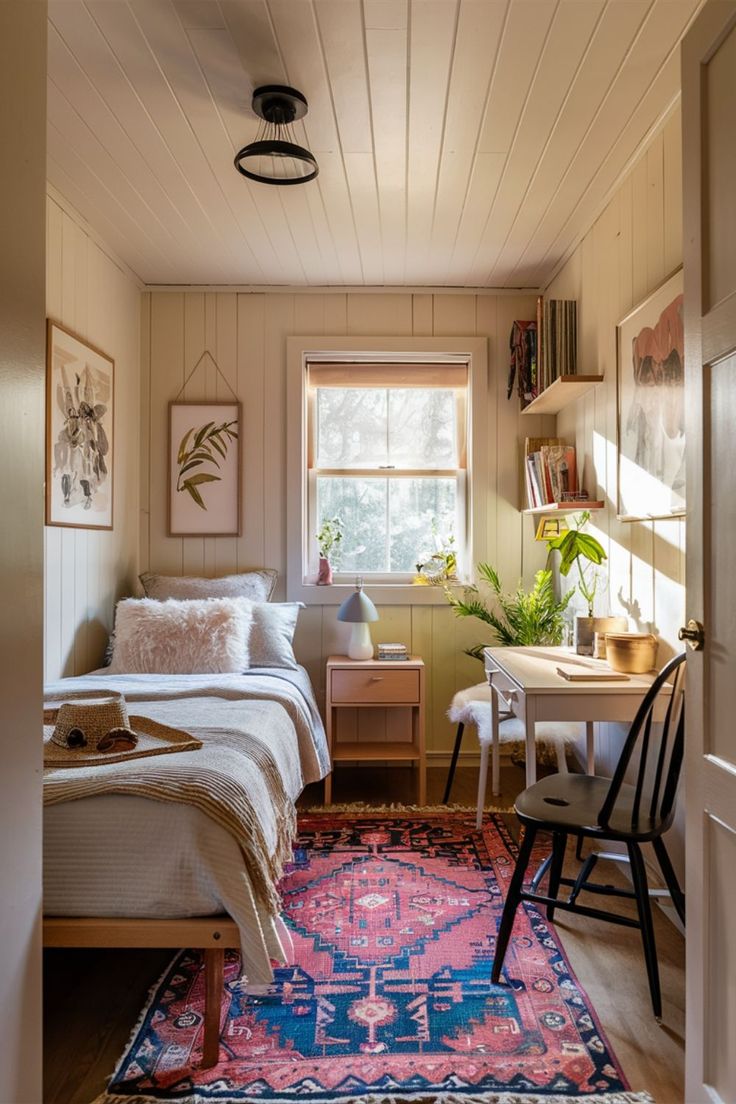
[(651, 407), (79, 432), (204, 469)]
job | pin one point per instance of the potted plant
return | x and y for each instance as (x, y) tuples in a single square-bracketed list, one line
[(525, 617), (329, 540), (578, 548)]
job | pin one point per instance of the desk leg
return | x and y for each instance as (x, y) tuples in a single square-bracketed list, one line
[(589, 747), (531, 743), (495, 745)]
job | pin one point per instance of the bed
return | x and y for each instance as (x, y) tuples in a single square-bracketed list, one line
[(127, 870)]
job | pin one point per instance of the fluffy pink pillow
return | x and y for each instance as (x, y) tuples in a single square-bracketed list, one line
[(181, 638)]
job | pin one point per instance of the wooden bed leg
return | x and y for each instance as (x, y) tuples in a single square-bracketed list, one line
[(214, 981)]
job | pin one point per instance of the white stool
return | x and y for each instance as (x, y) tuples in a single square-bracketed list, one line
[(473, 706)]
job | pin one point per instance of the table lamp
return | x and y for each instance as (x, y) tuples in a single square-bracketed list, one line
[(358, 610)]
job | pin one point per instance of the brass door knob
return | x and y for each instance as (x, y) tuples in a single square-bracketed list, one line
[(694, 634)]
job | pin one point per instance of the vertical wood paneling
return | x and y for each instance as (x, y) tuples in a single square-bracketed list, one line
[(85, 570), (635, 243), (250, 331)]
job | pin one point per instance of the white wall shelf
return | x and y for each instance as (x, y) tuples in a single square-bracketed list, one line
[(564, 507), (564, 390)]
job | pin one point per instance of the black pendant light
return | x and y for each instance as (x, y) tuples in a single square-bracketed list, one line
[(274, 157)]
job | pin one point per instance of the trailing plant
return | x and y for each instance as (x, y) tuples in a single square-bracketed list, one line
[(575, 547), (207, 443), (329, 539), (524, 617)]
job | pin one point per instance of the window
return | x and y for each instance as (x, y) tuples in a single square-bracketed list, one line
[(387, 456), (386, 440)]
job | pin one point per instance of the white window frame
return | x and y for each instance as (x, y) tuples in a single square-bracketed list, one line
[(472, 351)]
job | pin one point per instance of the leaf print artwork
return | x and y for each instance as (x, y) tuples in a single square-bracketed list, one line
[(203, 448), (205, 442)]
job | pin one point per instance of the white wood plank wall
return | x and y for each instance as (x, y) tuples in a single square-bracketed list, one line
[(634, 245), (246, 333), (86, 570)]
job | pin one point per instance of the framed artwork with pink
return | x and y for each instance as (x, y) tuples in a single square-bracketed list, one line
[(651, 406)]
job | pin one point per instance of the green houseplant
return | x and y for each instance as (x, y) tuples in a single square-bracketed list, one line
[(329, 540), (580, 549), (523, 618)]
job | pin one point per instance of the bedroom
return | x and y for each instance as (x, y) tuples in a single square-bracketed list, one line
[(131, 240)]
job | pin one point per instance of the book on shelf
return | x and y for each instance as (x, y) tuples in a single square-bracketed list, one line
[(557, 344), (550, 471)]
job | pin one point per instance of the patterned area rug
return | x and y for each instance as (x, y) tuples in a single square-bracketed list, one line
[(393, 920)]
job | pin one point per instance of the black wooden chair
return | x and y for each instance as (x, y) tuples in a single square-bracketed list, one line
[(588, 806)]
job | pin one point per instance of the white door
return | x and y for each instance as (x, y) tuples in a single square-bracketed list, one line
[(709, 156)]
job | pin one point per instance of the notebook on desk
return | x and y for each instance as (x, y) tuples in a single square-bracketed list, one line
[(575, 674)]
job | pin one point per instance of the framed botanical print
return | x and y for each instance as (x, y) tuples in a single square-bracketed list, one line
[(204, 469), (651, 406), (79, 432)]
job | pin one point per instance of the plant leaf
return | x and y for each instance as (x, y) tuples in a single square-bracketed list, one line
[(195, 494), (183, 445), (202, 433), (189, 465), (201, 477)]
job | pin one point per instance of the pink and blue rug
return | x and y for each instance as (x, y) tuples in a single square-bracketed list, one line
[(389, 997)]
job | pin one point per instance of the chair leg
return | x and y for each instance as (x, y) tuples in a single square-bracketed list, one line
[(641, 889), (559, 845), (482, 782), (453, 762), (512, 902), (561, 756), (678, 897)]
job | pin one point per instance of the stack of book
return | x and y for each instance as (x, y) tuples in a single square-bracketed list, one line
[(550, 471), (557, 340), (392, 651)]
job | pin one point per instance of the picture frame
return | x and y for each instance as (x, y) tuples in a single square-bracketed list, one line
[(650, 406), (80, 431), (204, 469)]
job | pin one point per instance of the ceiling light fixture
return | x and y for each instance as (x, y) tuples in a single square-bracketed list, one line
[(274, 157)]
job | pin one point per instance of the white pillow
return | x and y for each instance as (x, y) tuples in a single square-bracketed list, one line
[(272, 636), (181, 638)]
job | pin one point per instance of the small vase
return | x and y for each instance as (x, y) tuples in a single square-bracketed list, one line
[(324, 575)]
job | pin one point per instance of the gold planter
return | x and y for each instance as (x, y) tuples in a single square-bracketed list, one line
[(632, 653)]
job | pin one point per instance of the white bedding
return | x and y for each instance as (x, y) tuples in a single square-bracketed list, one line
[(119, 855)]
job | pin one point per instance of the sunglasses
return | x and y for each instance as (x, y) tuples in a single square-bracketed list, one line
[(117, 739)]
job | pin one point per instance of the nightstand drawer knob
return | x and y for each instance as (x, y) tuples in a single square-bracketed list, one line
[(376, 678)]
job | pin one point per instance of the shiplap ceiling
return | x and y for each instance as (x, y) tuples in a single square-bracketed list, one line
[(460, 142)]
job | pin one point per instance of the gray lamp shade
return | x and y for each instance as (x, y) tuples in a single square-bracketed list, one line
[(357, 608)]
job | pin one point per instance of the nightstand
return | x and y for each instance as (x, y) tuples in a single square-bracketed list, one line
[(376, 684)]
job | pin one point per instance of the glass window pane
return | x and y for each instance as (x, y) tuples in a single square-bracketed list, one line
[(422, 428), (361, 504), (352, 428), (422, 519)]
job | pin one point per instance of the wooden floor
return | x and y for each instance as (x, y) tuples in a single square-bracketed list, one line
[(92, 999)]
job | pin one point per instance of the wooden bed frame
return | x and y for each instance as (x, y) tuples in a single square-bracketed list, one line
[(212, 934)]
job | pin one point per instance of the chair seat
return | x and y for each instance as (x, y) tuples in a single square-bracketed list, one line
[(473, 707), (572, 803)]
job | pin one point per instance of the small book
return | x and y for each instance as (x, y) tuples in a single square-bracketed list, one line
[(574, 674)]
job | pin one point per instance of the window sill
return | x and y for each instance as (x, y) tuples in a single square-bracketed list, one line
[(386, 594)]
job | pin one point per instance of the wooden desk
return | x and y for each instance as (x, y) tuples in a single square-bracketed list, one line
[(527, 680)]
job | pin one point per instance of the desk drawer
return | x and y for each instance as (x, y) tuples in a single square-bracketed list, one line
[(381, 687)]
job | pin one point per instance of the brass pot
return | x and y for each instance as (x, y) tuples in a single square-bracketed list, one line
[(633, 653)]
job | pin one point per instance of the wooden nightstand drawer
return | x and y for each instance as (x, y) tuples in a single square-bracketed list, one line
[(367, 686)]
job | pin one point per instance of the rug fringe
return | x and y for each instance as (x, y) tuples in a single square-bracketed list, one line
[(396, 807), (392, 1098)]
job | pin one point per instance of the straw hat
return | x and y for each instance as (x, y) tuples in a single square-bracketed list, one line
[(96, 729)]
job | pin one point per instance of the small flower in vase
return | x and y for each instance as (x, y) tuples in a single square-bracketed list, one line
[(329, 540)]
